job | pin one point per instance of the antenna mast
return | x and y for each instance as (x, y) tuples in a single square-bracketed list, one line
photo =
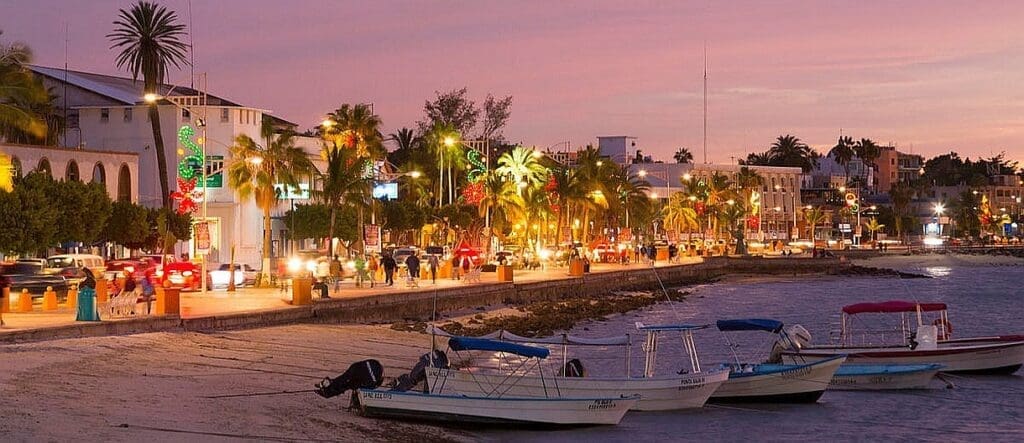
[(191, 49), (705, 102)]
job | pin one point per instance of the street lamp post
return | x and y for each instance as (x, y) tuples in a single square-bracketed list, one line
[(179, 102)]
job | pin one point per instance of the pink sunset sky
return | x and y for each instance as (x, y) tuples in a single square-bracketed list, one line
[(928, 76)]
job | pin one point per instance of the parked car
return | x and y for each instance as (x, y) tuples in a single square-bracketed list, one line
[(117, 268), (62, 261), (31, 275), (184, 275), (220, 275)]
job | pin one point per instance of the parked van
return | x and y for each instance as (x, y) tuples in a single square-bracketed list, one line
[(94, 262)]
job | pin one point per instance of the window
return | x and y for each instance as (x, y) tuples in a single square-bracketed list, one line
[(99, 175), (124, 184), (44, 167), (104, 115), (127, 115), (71, 174), (185, 115), (225, 115), (16, 164), (73, 119)]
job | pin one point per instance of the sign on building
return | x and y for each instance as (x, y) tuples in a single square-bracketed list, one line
[(202, 230), (371, 238), (286, 192)]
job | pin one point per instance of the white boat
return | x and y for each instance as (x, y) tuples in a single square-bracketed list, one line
[(496, 408), (493, 410), (686, 389), (914, 341), (773, 382), (862, 377)]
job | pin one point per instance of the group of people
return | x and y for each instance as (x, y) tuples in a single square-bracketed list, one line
[(137, 284)]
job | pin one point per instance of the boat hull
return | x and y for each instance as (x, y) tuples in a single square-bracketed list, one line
[(506, 411), (803, 383), (656, 393), (965, 356), (867, 377)]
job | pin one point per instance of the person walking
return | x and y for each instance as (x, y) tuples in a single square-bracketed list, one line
[(455, 268), (373, 266), (335, 272), (360, 266), (413, 266), (147, 294), (389, 269), (432, 263)]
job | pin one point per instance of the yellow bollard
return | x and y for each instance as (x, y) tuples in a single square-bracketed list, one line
[(73, 298), (49, 299), (25, 301), (101, 290)]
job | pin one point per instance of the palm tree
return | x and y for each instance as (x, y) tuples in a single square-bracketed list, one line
[(843, 153), (568, 191), (814, 216), (148, 36), (758, 159), (679, 216), (873, 226), (749, 182), (20, 93), (343, 183), (255, 170), (520, 165), (356, 127), (790, 151), (901, 195), (683, 155), (501, 198)]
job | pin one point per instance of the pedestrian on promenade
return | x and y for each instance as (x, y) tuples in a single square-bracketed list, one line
[(373, 266), (147, 294), (335, 272), (672, 252), (389, 269), (466, 263), (432, 263), (413, 266), (455, 268)]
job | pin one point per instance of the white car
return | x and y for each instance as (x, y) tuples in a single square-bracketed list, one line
[(219, 277)]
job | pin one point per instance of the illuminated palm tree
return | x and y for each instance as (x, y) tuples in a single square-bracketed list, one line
[(256, 170), (873, 226), (680, 216), (814, 216), (355, 127), (502, 200), (521, 166), (20, 94), (343, 183), (149, 37), (567, 190)]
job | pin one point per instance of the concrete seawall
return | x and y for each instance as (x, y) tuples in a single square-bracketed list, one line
[(419, 304)]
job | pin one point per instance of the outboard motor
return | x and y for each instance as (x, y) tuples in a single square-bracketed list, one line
[(365, 374), (573, 368), (418, 373), (792, 338)]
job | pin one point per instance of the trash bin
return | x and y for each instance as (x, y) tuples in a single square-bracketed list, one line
[(504, 273), (302, 293), (168, 301), (87, 305), (576, 267)]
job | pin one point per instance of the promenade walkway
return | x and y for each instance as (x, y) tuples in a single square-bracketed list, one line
[(220, 302)]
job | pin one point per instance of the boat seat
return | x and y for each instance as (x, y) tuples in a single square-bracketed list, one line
[(927, 337)]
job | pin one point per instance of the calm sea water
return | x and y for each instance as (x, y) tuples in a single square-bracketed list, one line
[(984, 298)]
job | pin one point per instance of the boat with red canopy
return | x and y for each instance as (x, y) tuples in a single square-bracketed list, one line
[(924, 335)]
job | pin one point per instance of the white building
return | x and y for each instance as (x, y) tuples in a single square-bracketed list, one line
[(780, 196), (109, 112), (117, 171)]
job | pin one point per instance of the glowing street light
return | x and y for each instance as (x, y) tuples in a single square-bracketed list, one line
[(256, 160), (150, 97), (642, 173), (415, 174), (327, 123), (939, 207), (654, 195), (687, 176)]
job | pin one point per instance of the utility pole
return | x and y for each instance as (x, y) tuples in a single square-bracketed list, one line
[(705, 102)]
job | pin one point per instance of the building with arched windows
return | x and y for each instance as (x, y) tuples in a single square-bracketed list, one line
[(80, 165)]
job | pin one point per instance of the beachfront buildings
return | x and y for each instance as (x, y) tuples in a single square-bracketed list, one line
[(780, 194), (109, 113)]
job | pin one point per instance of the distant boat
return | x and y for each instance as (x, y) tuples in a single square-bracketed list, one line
[(689, 388), (860, 377), (914, 341), (496, 408), (773, 382)]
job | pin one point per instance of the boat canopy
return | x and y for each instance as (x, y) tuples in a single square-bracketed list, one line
[(750, 324), (679, 327), (892, 306), (483, 344), (561, 339)]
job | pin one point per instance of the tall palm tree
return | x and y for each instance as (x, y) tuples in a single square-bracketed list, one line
[(843, 153), (502, 200), (683, 155), (790, 151), (901, 196), (343, 183), (20, 93), (749, 182), (255, 170), (356, 127), (678, 215), (149, 38), (568, 191), (521, 166)]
